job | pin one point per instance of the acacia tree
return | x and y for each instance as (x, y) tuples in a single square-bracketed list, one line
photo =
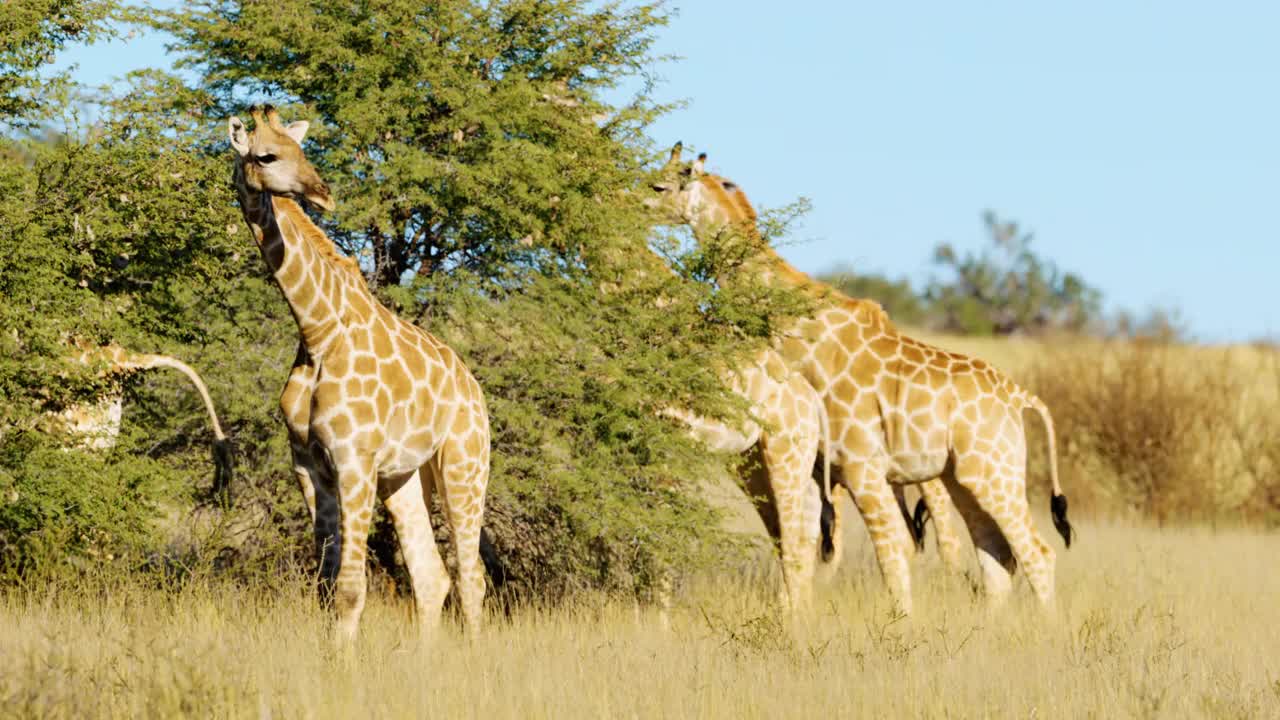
[(488, 190), (451, 130), (31, 32), (112, 232)]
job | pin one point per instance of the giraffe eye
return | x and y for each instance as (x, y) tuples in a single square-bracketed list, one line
[(266, 159)]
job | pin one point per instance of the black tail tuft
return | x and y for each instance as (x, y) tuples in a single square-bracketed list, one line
[(492, 561), (918, 519), (224, 464), (827, 523), (1058, 506)]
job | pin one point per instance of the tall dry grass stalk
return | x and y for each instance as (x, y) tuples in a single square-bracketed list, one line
[(1149, 624)]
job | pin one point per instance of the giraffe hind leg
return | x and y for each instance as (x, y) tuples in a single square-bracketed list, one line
[(408, 509), (1007, 531), (995, 557), (463, 479), (937, 503)]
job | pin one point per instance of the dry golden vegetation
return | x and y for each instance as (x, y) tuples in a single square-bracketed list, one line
[(1149, 623), (1170, 433), (1158, 615)]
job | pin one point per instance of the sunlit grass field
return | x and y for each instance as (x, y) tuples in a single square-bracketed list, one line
[(1161, 623), (1149, 623)]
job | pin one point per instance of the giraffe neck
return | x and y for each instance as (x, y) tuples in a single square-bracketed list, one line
[(295, 251), (732, 212)]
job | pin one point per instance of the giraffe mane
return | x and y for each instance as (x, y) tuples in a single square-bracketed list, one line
[(318, 239), (742, 208)]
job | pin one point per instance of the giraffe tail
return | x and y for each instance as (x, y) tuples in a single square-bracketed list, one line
[(827, 518), (1058, 501), (918, 519), (492, 560), (223, 453)]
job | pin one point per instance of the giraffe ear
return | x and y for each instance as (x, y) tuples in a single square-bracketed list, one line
[(297, 130), (698, 164), (239, 137)]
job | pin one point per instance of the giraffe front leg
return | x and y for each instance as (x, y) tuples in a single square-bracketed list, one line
[(327, 527), (295, 406), (798, 504), (305, 472), (356, 491), (407, 505), (935, 497), (875, 499)]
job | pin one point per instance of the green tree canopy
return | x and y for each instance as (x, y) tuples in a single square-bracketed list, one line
[(488, 191)]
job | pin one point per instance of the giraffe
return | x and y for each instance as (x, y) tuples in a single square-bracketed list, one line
[(781, 440), (899, 409), (373, 404), (96, 426)]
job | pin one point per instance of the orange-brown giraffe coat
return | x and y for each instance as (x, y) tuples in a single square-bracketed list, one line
[(899, 409), (375, 406), (783, 439)]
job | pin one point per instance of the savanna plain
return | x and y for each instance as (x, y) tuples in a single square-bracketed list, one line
[(1153, 619)]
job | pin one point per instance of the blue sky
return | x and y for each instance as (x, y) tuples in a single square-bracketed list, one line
[(1140, 141)]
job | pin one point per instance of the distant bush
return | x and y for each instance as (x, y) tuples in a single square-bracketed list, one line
[(1165, 431), (1004, 288)]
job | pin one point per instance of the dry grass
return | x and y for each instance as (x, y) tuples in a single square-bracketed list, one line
[(1149, 624)]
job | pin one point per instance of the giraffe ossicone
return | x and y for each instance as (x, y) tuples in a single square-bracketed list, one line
[(900, 411), (375, 406)]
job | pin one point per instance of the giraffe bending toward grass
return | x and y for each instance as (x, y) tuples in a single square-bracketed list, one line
[(97, 426), (899, 409), (374, 405), (783, 438)]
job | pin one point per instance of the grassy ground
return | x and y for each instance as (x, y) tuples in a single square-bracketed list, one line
[(1149, 624)]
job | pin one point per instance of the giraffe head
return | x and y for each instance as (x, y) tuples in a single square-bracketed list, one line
[(686, 194), (270, 158)]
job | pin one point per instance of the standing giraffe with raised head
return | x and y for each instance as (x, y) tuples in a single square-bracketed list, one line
[(374, 405), (899, 409), (97, 426)]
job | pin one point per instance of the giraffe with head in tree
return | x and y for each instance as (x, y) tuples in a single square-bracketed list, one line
[(374, 405), (781, 440), (899, 409)]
